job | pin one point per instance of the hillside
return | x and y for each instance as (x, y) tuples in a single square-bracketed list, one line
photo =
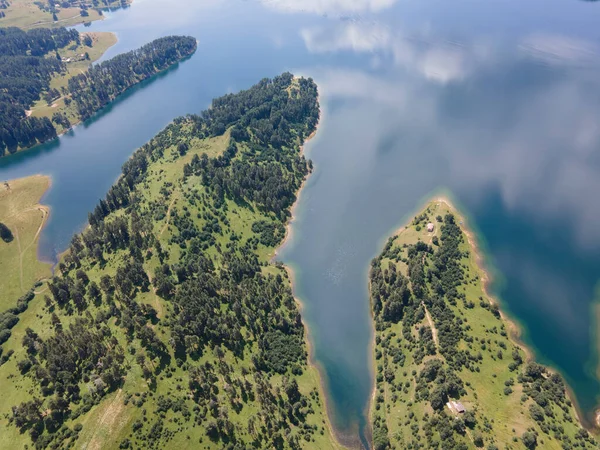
[(439, 339), (24, 217), (166, 324)]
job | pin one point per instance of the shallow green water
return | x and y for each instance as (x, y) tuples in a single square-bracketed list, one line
[(497, 101)]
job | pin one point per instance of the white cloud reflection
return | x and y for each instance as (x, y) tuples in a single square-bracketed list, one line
[(559, 49), (325, 7), (539, 144), (440, 61)]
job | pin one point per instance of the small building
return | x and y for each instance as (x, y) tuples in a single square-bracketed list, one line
[(430, 227), (456, 407)]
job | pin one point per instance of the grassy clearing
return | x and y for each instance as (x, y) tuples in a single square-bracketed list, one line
[(494, 395), (26, 14), (21, 212)]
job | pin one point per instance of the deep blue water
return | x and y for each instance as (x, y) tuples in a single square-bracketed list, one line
[(496, 101)]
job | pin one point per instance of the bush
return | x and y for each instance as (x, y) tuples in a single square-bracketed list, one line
[(380, 438), (529, 440), (5, 233)]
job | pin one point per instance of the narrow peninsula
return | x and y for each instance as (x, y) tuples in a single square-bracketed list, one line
[(49, 85), (448, 373), (166, 325)]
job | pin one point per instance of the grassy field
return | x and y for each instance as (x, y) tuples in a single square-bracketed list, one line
[(101, 41), (495, 395), (21, 212), (118, 414), (26, 14)]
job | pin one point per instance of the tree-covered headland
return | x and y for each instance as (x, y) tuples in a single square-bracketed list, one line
[(166, 324), (448, 373)]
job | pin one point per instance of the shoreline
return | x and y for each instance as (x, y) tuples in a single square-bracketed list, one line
[(513, 327), (312, 362)]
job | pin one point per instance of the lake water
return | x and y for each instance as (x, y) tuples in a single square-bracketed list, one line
[(496, 101)]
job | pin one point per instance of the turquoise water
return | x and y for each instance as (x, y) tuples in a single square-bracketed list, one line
[(497, 101)]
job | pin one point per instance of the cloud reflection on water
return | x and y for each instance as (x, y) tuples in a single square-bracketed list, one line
[(325, 7), (440, 61), (539, 147)]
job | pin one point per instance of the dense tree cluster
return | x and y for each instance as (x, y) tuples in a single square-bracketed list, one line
[(231, 326), (103, 82), (267, 119)]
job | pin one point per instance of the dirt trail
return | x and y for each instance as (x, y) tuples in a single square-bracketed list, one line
[(162, 230), (44, 211), (20, 258), (434, 330), (52, 21), (159, 308), (107, 421)]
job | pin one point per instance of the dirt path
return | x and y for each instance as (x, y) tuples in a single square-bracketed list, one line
[(52, 21), (107, 421), (159, 308), (44, 211), (20, 258), (434, 330), (162, 230)]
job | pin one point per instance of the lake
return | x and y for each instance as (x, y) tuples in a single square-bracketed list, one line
[(496, 102)]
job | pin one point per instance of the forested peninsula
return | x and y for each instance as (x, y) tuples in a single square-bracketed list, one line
[(166, 324), (29, 60), (448, 373)]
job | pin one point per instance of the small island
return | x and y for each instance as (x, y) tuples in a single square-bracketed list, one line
[(449, 372)]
